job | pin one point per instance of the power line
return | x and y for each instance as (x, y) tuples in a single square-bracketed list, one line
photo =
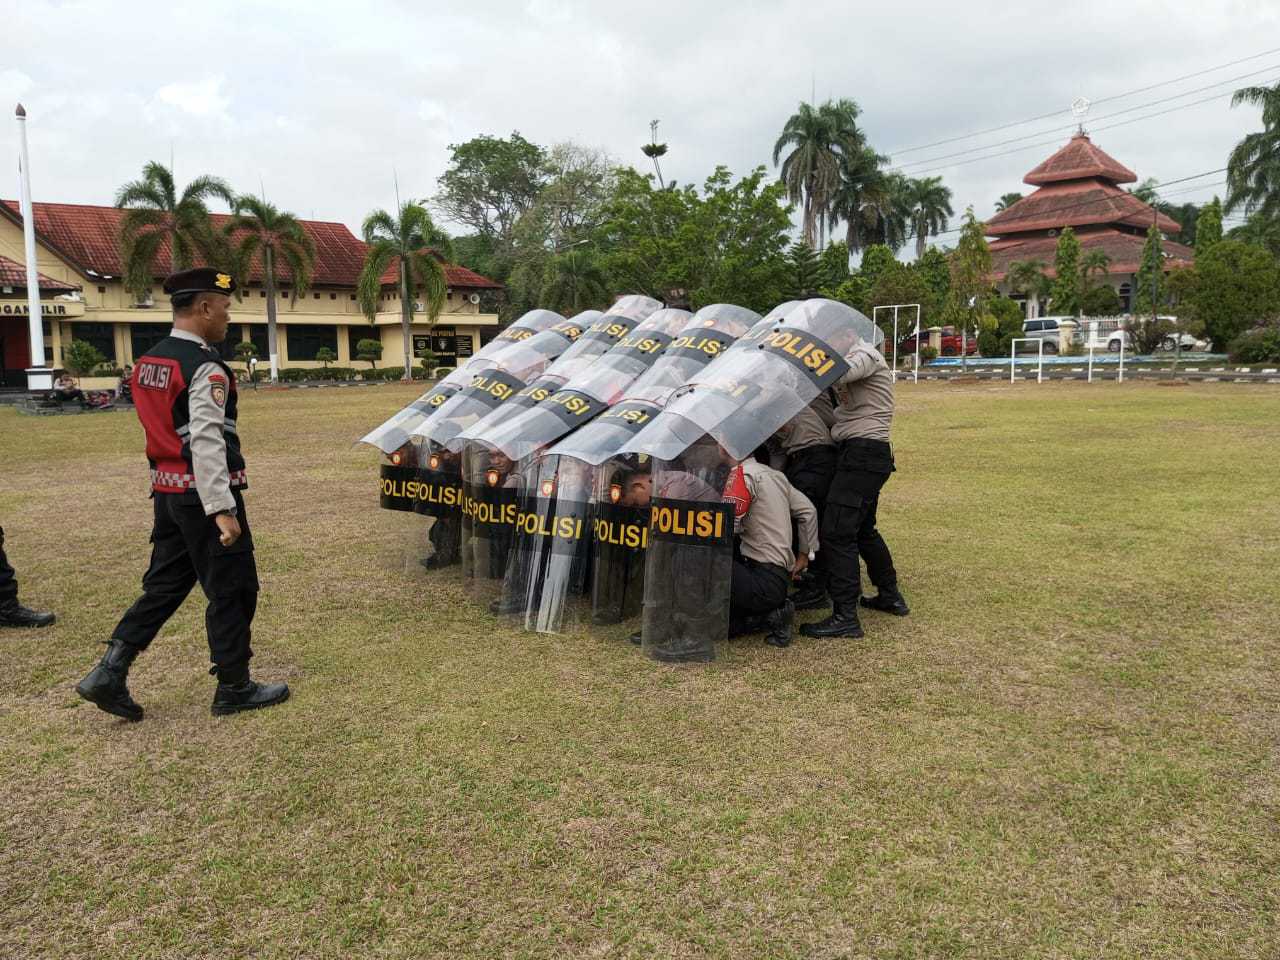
[(1054, 113), (1141, 106)]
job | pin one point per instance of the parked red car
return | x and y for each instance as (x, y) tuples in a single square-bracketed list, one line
[(950, 343)]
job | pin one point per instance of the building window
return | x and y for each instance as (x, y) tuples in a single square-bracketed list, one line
[(332, 296), (102, 289), (353, 296), (263, 294), (305, 340), (144, 336), (1126, 297), (99, 335), (317, 296)]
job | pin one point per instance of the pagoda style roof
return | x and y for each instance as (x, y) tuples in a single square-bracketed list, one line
[(88, 238), (1124, 249), (1077, 204), (1078, 160), (14, 274)]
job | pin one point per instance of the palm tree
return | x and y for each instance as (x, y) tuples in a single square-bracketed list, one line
[(811, 170), (156, 213), (1094, 263), (258, 229), (930, 207), (573, 282), (889, 212), (1253, 169), (653, 150), (416, 246), (1027, 277), (863, 190), (1006, 201)]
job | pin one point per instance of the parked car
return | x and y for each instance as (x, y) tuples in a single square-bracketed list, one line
[(1109, 335), (950, 343), (1044, 329)]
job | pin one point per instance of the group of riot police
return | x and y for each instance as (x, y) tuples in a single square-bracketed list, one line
[(709, 474)]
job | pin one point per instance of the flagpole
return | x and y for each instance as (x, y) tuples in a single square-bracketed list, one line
[(39, 377)]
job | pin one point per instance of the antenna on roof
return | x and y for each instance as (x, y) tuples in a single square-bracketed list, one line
[(262, 191), (1080, 107), (396, 177)]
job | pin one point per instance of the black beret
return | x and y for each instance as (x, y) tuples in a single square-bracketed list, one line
[(199, 280)]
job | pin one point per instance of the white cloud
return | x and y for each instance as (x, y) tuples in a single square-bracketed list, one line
[(203, 98)]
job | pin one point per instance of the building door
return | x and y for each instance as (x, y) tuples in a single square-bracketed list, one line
[(15, 351)]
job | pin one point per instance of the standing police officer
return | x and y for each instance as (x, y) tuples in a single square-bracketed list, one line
[(12, 613), (865, 460), (185, 396), (810, 467)]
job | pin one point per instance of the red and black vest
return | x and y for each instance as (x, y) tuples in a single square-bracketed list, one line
[(160, 382)]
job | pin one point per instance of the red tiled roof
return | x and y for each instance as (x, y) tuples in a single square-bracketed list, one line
[(14, 274), (88, 237), (1124, 249), (1087, 202), (1077, 160)]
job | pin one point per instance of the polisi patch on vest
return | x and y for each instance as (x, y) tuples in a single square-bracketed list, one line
[(154, 375), (691, 521), (811, 355)]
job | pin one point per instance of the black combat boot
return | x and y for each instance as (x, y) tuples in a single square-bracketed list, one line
[(888, 600), (842, 623), (14, 614), (236, 692), (780, 623), (810, 596), (105, 688)]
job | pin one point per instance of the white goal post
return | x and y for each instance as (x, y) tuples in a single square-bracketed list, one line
[(895, 307), (1013, 356)]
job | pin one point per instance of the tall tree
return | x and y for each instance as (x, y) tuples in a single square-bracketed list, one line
[(930, 205), (156, 212), (417, 247), (258, 230), (807, 275), (1028, 278), (1237, 285), (1259, 230), (491, 183), (817, 137), (655, 151), (572, 282), (861, 193), (1065, 296), (1006, 201), (1253, 169), (1150, 273), (970, 277), (1208, 226)]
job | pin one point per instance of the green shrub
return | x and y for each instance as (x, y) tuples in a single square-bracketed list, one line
[(928, 353), (82, 358), (1260, 345), (370, 350), (443, 371)]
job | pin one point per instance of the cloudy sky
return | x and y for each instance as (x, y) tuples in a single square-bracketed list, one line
[(320, 101)]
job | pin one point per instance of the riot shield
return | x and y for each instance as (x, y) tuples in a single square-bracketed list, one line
[(620, 538), (408, 485), (491, 494), (500, 377), (761, 382), (600, 337), (396, 430), (689, 561)]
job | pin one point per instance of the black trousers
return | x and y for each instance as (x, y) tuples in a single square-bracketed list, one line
[(8, 579), (757, 588), (849, 525), (185, 551), (811, 471)]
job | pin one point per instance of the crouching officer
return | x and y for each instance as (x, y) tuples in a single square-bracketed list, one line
[(12, 613), (864, 462), (764, 563), (185, 396), (810, 466)]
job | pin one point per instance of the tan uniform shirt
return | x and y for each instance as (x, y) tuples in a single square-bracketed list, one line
[(866, 397), (805, 429), (207, 422), (766, 531)]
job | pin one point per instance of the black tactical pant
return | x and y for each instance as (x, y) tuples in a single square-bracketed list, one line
[(757, 589), (185, 551), (8, 579), (849, 525), (811, 471)]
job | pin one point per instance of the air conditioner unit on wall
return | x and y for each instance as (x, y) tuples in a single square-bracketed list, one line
[(474, 298), (419, 306)]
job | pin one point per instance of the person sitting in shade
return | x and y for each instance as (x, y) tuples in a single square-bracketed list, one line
[(65, 390)]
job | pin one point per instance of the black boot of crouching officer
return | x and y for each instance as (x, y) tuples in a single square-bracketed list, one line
[(811, 596), (780, 623), (105, 685), (14, 614), (888, 600), (843, 622), (236, 692)]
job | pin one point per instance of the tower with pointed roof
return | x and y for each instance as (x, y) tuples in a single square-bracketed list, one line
[(1079, 187)]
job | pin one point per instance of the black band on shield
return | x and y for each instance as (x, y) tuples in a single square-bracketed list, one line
[(573, 408)]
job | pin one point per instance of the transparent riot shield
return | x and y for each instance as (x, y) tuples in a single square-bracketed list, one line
[(620, 538), (689, 561), (501, 377), (396, 430), (491, 494), (768, 376), (420, 539)]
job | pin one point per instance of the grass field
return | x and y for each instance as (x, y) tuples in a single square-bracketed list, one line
[(1070, 749)]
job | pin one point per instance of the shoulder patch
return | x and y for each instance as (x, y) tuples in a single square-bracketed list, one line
[(219, 393)]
